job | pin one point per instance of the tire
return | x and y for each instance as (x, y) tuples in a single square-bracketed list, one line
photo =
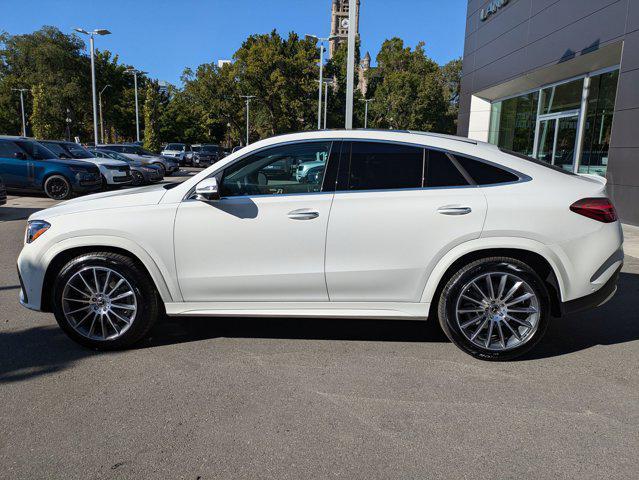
[(58, 187), (505, 324), (126, 322), (138, 178)]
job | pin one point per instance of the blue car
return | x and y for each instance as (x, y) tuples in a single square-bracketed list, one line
[(26, 165)]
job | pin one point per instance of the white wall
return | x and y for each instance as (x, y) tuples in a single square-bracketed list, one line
[(479, 123)]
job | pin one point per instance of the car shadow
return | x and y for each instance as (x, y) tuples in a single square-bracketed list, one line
[(9, 214), (615, 322), (38, 351)]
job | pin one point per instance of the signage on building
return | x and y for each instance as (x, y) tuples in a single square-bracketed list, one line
[(492, 8)]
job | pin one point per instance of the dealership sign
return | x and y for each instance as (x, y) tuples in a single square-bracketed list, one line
[(492, 8)]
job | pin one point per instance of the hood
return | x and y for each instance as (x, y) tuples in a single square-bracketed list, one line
[(104, 161), (134, 197)]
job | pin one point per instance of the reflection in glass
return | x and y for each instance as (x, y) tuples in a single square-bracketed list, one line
[(564, 155), (512, 123), (546, 140), (563, 97), (601, 104)]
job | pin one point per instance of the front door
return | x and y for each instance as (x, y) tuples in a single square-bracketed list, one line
[(265, 239), (557, 140), (15, 172)]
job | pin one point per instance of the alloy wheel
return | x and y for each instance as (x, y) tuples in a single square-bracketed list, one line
[(497, 311), (57, 188), (99, 303)]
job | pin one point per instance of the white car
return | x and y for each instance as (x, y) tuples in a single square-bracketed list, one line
[(180, 151), (404, 226), (115, 173)]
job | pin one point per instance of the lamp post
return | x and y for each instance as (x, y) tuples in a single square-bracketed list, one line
[(367, 101), (24, 123), (321, 41), (135, 72), (99, 31), (248, 99), (326, 84), (101, 120)]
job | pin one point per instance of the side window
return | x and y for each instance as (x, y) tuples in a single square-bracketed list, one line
[(294, 168), (484, 173), (8, 149), (384, 166), (442, 172), (36, 151)]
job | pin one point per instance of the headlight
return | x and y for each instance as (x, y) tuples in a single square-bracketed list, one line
[(35, 228)]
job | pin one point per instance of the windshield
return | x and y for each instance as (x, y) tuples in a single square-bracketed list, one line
[(208, 148), (58, 150), (175, 146), (77, 151), (536, 161)]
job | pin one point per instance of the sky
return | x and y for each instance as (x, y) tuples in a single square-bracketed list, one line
[(165, 36)]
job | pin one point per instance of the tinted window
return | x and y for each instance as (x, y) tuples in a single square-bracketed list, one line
[(485, 174), (77, 151), (442, 172), (116, 148), (36, 151), (57, 149), (538, 162), (8, 149), (277, 170), (382, 166)]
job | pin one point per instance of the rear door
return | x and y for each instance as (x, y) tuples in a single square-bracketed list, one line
[(14, 171), (397, 210)]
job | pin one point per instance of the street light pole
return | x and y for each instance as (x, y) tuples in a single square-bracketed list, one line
[(248, 99), (350, 63), (321, 41), (101, 120), (326, 83), (367, 101), (135, 72), (24, 123), (100, 31)]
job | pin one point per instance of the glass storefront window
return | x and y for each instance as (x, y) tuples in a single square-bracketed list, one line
[(601, 104), (563, 97), (512, 123)]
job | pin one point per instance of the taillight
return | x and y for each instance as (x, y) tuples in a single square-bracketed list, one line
[(600, 209)]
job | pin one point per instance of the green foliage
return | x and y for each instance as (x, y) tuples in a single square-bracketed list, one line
[(152, 112)]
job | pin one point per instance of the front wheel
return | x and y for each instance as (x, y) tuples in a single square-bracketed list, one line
[(138, 178), (58, 187), (162, 168), (105, 301), (495, 308)]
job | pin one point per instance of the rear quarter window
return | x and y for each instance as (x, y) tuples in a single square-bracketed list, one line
[(485, 173)]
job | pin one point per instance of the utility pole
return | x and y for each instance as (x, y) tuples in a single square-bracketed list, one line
[(326, 84), (321, 41), (247, 99), (367, 101), (350, 64), (24, 123), (135, 72), (99, 31), (101, 120)]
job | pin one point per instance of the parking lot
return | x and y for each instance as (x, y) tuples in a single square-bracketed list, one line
[(300, 398)]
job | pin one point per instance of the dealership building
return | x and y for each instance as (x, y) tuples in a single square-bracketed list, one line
[(558, 80)]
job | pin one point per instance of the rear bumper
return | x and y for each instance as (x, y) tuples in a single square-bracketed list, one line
[(595, 299)]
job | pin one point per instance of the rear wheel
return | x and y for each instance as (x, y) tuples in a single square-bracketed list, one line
[(105, 301), (495, 308), (58, 187)]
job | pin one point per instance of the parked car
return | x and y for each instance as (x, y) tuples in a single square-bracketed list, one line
[(205, 155), (142, 174), (3, 193), (114, 173), (25, 165), (489, 243), (168, 165), (181, 151)]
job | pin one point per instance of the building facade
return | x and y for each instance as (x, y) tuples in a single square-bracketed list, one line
[(558, 80)]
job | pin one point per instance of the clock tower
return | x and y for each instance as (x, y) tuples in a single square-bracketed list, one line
[(339, 24)]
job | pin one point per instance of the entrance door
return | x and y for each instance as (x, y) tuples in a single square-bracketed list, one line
[(557, 140)]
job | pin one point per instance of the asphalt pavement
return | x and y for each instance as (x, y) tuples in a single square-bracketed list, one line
[(302, 398)]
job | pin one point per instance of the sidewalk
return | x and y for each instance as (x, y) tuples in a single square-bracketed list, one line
[(631, 240)]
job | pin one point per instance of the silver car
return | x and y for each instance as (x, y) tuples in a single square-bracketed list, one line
[(143, 174), (169, 166)]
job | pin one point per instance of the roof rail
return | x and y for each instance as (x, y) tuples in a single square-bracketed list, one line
[(445, 136)]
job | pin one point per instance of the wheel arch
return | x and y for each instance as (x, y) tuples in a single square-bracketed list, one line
[(53, 173), (62, 255), (533, 255)]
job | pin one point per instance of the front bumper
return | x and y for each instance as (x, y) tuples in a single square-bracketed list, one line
[(595, 299), (116, 177)]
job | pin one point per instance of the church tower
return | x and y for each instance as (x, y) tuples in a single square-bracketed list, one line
[(339, 13)]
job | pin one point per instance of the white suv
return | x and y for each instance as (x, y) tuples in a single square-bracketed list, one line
[(403, 225)]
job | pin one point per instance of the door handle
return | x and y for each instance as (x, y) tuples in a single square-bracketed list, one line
[(303, 214), (454, 210)]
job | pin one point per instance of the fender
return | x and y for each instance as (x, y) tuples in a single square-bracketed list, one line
[(554, 257), (166, 285)]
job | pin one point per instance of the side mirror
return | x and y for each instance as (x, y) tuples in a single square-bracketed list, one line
[(207, 190), (20, 155)]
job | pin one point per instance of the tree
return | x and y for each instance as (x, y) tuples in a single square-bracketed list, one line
[(152, 112), (451, 73), (408, 89)]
